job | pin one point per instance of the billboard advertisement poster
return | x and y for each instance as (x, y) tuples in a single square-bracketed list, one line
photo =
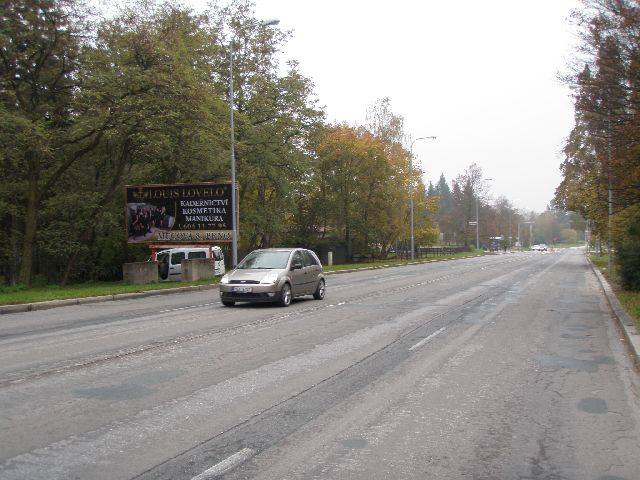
[(179, 213)]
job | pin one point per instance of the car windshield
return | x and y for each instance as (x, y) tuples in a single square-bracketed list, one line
[(265, 259)]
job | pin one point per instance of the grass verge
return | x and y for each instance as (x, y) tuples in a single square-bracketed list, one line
[(630, 300), (20, 294), (396, 262)]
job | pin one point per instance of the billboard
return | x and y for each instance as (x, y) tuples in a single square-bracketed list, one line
[(182, 213)]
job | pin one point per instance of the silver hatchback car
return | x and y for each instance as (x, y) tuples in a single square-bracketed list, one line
[(274, 275)]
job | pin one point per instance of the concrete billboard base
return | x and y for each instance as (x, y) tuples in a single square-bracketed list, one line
[(197, 269), (140, 272)]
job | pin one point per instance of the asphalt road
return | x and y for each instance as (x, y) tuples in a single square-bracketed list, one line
[(498, 367)]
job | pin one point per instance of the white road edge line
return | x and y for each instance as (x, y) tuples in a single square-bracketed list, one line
[(425, 340), (225, 465)]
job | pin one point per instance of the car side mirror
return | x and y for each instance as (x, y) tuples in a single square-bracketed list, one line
[(296, 266)]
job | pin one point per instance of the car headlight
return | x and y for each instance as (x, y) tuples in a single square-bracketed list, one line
[(270, 278), (224, 279)]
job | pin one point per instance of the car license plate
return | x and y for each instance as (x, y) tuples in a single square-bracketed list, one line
[(243, 289)]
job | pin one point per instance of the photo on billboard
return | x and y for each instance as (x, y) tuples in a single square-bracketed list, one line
[(145, 220)]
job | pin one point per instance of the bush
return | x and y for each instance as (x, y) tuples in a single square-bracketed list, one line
[(628, 250)]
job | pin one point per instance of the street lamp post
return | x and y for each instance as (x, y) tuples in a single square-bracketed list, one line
[(478, 219), (234, 213), (234, 219), (509, 229), (477, 225), (411, 192)]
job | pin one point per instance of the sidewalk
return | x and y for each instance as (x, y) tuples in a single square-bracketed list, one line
[(625, 322)]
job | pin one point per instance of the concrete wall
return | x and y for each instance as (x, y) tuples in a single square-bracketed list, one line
[(140, 272), (197, 269)]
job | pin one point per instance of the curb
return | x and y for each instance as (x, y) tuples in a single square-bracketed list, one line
[(625, 322), (32, 307)]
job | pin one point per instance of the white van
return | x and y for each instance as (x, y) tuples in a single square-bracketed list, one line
[(170, 261)]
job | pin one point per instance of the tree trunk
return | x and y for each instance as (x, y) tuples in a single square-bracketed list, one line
[(13, 264), (347, 229), (86, 234), (262, 203), (30, 226)]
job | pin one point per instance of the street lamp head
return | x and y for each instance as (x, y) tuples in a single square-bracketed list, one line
[(269, 22), (421, 138)]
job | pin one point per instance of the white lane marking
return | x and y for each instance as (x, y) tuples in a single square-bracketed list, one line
[(337, 304), (186, 308), (225, 465), (425, 340)]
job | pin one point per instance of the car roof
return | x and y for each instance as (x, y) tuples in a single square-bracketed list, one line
[(277, 249)]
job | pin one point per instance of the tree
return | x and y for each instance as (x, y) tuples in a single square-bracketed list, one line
[(601, 154), (275, 119), (146, 87), (446, 215), (383, 123), (142, 98), (471, 186), (361, 179), (40, 43), (350, 167)]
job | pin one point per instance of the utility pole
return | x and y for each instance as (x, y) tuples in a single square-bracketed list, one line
[(234, 218), (610, 256), (478, 219), (610, 203), (411, 192), (477, 226)]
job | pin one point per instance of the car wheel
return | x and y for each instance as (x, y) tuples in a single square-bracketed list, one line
[(228, 303), (285, 295), (319, 293)]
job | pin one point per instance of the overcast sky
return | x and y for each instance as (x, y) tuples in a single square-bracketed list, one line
[(480, 75)]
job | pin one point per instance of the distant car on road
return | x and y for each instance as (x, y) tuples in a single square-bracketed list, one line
[(274, 275), (540, 247)]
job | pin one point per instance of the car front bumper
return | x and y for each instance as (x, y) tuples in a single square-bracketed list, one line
[(259, 292)]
